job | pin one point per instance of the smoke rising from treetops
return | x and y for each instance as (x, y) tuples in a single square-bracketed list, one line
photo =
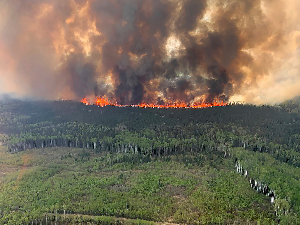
[(151, 50)]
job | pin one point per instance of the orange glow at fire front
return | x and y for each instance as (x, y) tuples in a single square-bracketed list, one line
[(104, 101)]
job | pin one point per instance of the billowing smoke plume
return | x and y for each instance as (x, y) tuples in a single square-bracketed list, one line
[(150, 50)]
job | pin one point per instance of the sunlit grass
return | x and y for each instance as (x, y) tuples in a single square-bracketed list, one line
[(172, 188)]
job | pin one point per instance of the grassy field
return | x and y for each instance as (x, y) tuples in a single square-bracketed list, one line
[(280, 176), (77, 186)]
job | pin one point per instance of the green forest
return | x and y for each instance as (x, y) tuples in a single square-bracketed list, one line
[(63, 162)]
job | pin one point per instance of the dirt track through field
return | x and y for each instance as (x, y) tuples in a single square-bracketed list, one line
[(72, 216), (25, 159)]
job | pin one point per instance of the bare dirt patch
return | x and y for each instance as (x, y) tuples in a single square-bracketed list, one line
[(6, 169)]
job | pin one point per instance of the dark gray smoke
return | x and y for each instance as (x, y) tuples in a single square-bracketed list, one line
[(135, 51)]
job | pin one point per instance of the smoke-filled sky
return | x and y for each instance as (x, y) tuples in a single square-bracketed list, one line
[(151, 50)]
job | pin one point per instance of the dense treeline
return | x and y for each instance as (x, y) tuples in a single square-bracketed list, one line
[(160, 140), (271, 123)]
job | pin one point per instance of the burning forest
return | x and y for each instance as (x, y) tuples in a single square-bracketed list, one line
[(150, 52), (84, 137), (104, 101)]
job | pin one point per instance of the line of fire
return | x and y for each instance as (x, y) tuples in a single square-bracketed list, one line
[(104, 101)]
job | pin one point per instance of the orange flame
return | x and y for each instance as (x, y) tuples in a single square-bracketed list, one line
[(85, 101), (104, 101)]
